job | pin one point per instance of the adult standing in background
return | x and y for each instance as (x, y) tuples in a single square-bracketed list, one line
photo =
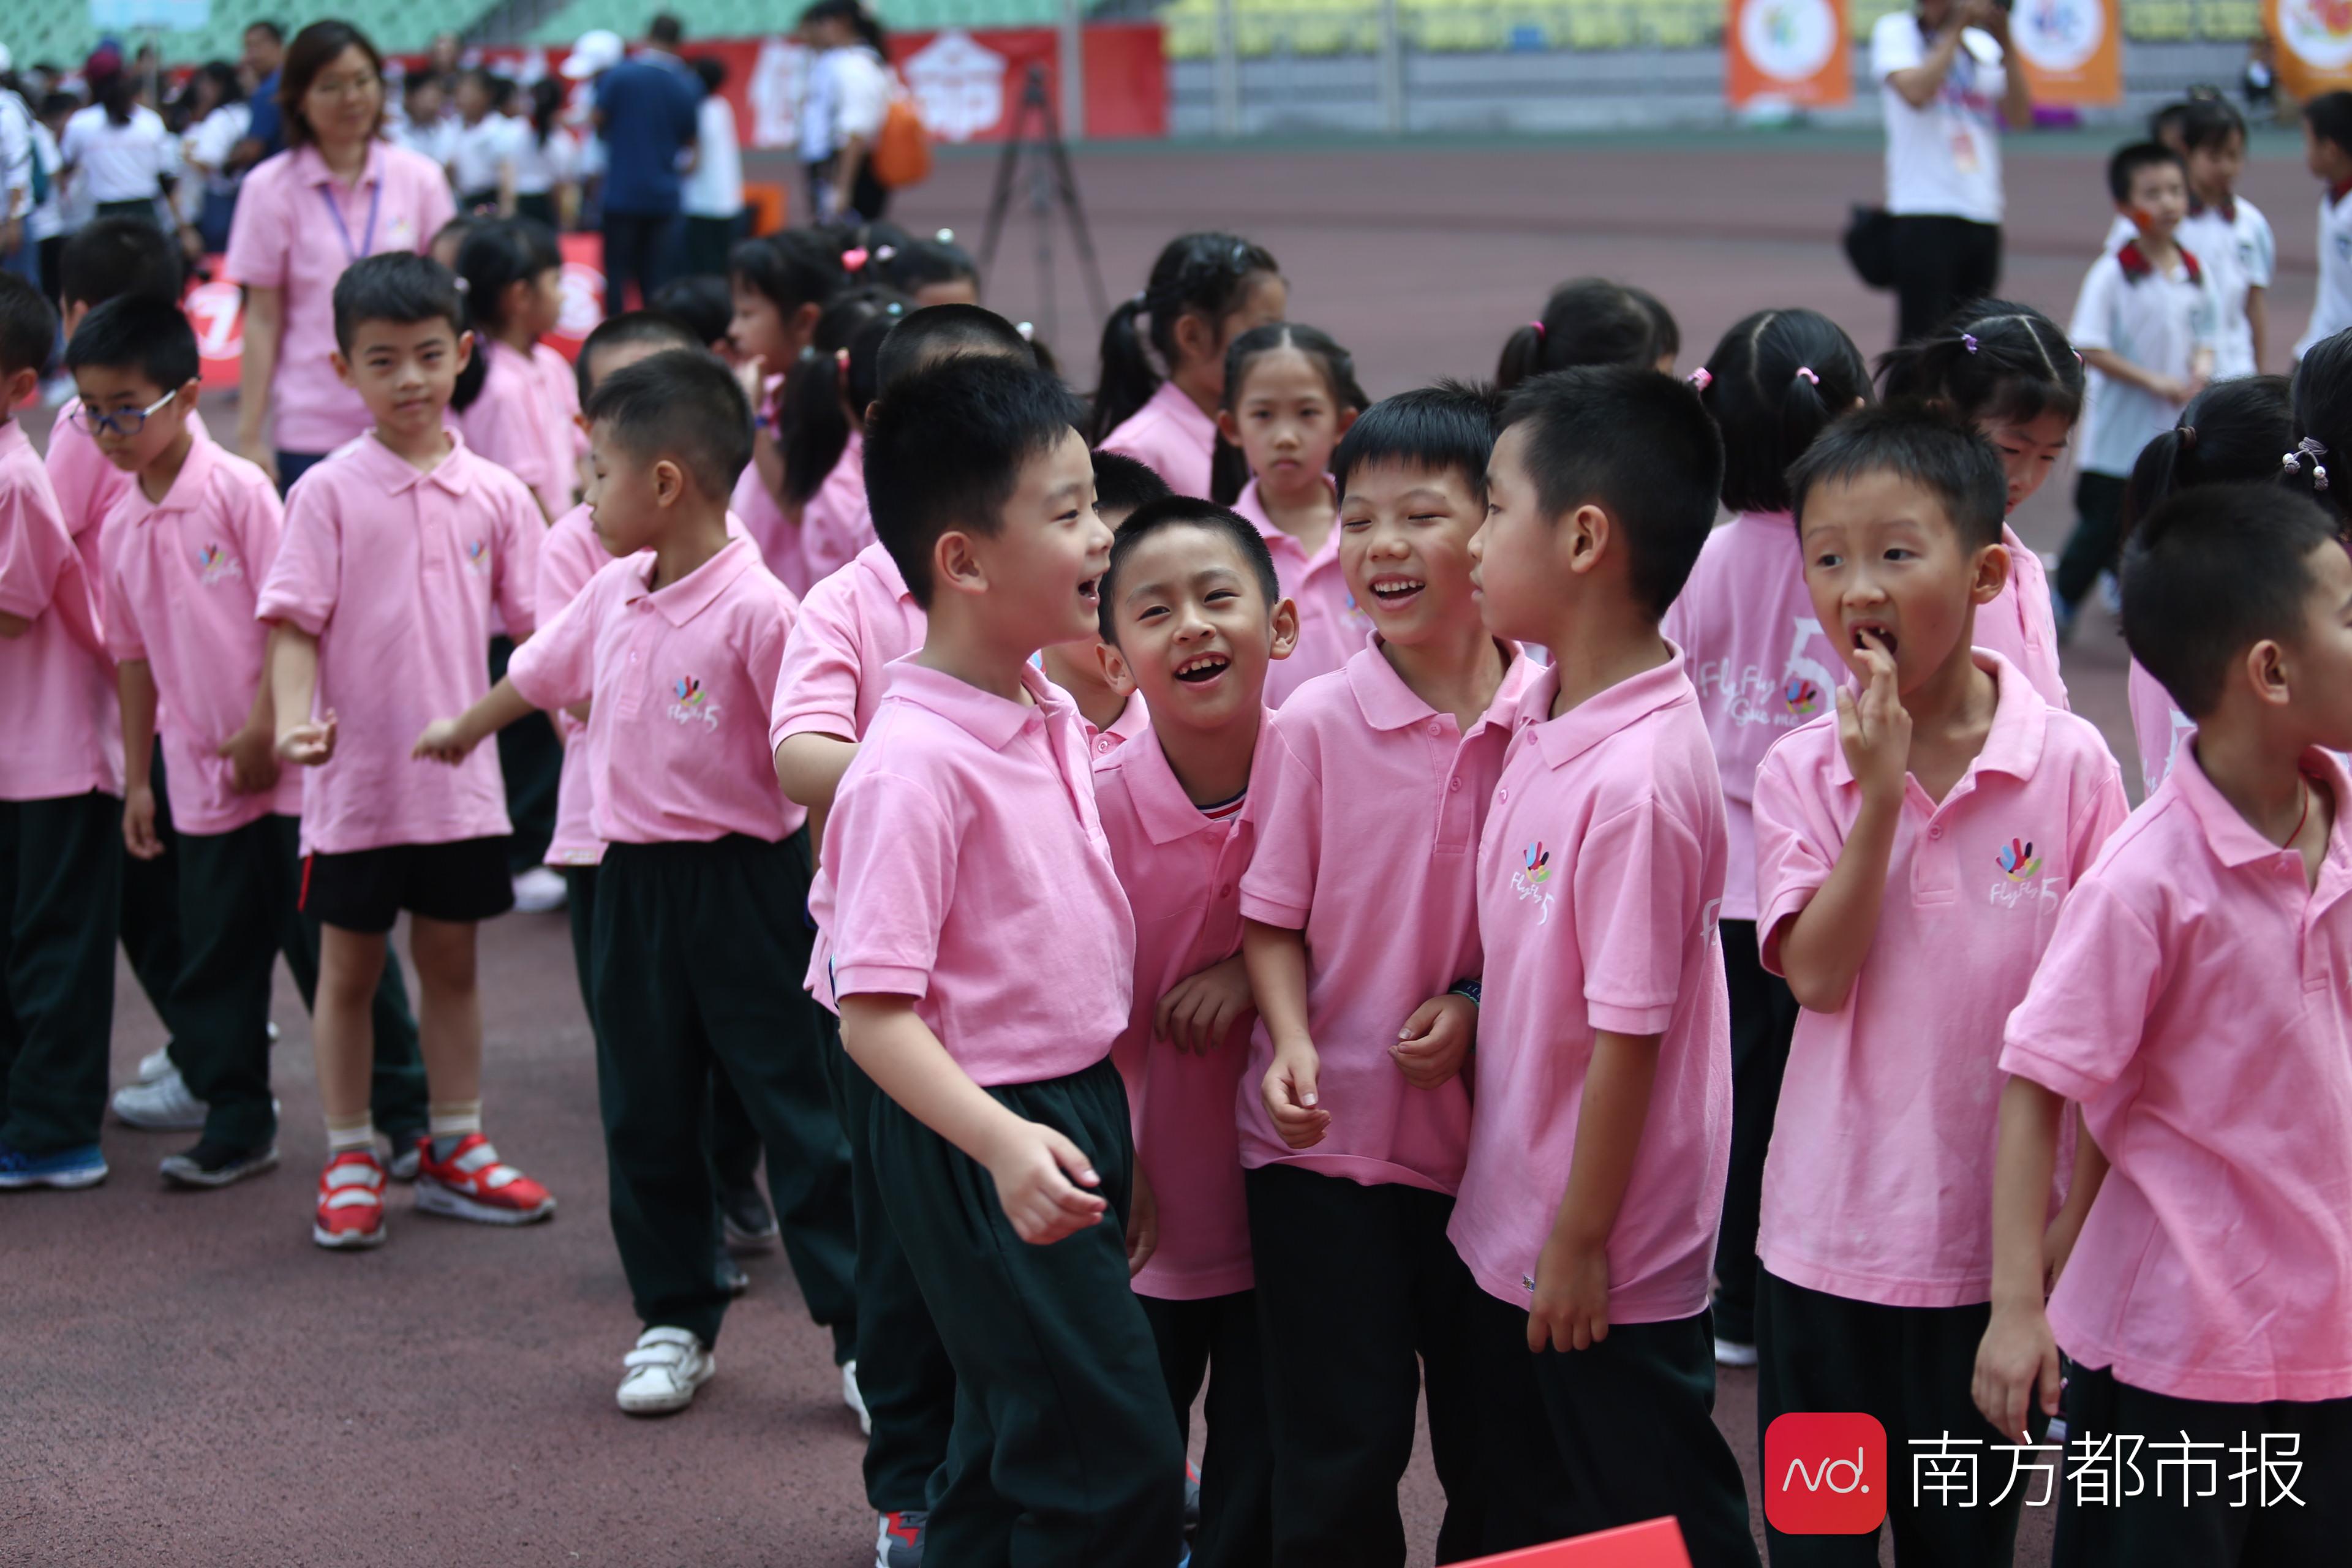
[(338, 192), (1947, 93), (713, 196), (645, 110), (847, 99), (263, 60)]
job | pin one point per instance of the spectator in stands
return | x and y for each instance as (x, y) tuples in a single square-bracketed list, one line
[(645, 110), (713, 196), (337, 194), (218, 119), (1946, 95), (264, 58), (848, 95)]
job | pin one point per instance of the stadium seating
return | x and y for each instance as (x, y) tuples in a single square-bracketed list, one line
[(59, 31)]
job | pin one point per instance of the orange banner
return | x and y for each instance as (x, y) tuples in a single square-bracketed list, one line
[(1655, 1544), (1787, 53), (2071, 49), (2314, 44)]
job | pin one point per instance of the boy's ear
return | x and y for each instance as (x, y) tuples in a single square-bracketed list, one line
[(184, 401), (1988, 574), (1116, 673), (2266, 671), (343, 368), (956, 565), (1588, 532), (669, 481), (20, 388), (465, 350), (1285, 629)]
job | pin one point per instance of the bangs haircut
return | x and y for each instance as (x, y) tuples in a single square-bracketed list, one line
[(28, 328), (683, 404), (1447, 427), (1186, 511), (944, 451), (1922, 445), (135, 332), (2212, 571), (397, 286), (923, 337), (1123, 484), (630, 329), (2125, 166), (112, 256), (1640, 446)]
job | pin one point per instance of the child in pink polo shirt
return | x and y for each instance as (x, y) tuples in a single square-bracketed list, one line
[(1205, 290), (1362, 945), (782, 284), (698, 935), (1913, 852), (822, 413), (1193, 611), (1290, 395), (434, 536), (1762, 666), (1105, 690), (966, 829), (517, 401), (61, 802), (1602, 1092), (2007, 369), (2192, 1005)]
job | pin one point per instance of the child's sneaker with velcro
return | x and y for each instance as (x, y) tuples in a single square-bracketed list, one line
[(662, 1372), (351, 1202), (473, 1183)]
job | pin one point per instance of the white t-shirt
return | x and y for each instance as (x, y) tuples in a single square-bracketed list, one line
[(848, 95), (16, 143), (120, 163), (540, 166), (715, 187), (1943, 160), (48, 220), (434, 138), (2242, 254), (2157, 323), (478, 150), (2331, 305)]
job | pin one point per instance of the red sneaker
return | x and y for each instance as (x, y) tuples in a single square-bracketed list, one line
[(473, 1183), (351, 1202)]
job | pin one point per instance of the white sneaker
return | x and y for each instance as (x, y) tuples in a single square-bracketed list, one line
[(164, 1105), (539, 891), (663, 1371), (1731, 1352), (853, 1398), (155, 1064)]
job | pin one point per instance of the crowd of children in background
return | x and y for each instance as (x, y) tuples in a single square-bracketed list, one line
[(1235, 885)]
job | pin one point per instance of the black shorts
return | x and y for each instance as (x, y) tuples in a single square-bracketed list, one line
[(366, 889)]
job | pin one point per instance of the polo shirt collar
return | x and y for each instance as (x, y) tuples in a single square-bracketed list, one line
[(2021, 720), (2231, 837), (878, 562), (1134, 722), (187, 487), (1172, 401), (1388, 703), (1166, 812), (454, 473), (989, 719), (681, 601), (310, 165), (1605, 712)]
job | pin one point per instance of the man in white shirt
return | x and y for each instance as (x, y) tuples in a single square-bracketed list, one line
[(1947, 94)]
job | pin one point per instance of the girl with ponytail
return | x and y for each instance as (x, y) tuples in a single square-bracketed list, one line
[(518, 402), (781, 284), (1762, 666), (1163, 354), (1589, 322), (822, 413)]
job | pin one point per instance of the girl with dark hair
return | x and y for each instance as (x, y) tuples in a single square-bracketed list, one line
[(118, 151), (339, 193), (518, 401), (712, 195), (934, 271), (1762, 666), (822, 415), (2010, 372), (546, 156), (848, 96), (1589, 322), (1290, 393), (782, 284), (482, 154), (218, 118), (1205, 290)]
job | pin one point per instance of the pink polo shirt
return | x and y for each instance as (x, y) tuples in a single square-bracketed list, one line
[(1182, 874), (851, 625), (57, 687), (527, 421), (296, 230), (2017, 625), (965, 866), (396, 572), (182, 579), (1600, 878), (837, 523), (1170, 435), (680, 679), (1878, 1184), (1134, 722), (2194, 1003), (1760, 663), (1330, 627), (778, 536), (87, 485), (1380, 870)]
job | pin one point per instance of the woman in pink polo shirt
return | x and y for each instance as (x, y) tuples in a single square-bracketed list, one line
[(338, 192)]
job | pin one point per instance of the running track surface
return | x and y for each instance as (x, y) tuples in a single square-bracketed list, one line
[(191, 1381)]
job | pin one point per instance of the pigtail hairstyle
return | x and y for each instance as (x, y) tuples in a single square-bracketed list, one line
[(1229, 471), (1588, 321), (495, 257), (2230, 433), (794, 267), (1991, 361), (1773, 384), (1206, 273), (835, 376), (2316, 464)]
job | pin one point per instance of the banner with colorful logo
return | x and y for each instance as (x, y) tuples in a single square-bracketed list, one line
[(2071, 49), (1788, 54), (2314, 44)]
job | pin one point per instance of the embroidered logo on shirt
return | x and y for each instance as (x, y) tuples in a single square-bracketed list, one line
[(477, 556), (2023, 882), (1802, 696), (2018, 860), (1527, 882), (217, 565), (693, 703)]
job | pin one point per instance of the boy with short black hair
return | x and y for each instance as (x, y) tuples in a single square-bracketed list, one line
[(1192, 613), (699, 938), (60, 801), (2327, 153), (966, 829), (1105, 692), (941, 331), (1915, 851), (2191, 1003), (1601, 1126)]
